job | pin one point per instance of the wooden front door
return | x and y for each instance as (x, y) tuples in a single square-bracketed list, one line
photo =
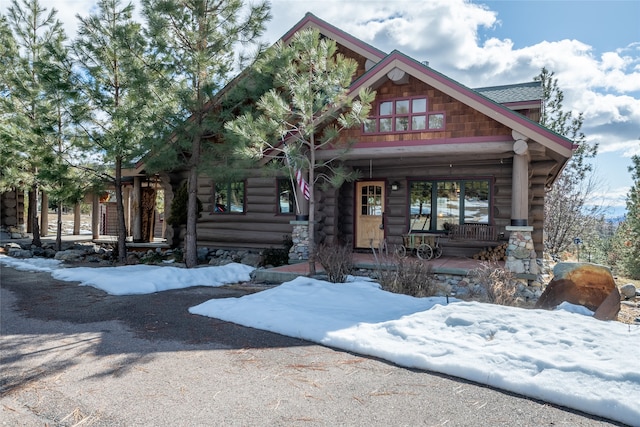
[(369, 213)]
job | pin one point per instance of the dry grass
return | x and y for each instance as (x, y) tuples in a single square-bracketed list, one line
[(498, 284)]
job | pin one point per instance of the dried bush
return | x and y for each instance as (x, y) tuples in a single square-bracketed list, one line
[(337, 261), (407, 276), (497, 284)]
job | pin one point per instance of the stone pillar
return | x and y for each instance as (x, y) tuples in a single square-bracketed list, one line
[(299, 252), (520, 184), (521, 255)]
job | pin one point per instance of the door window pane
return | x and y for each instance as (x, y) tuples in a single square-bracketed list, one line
[(371, 200)]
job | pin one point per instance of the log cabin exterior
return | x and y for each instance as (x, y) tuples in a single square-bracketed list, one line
[(434, 154)]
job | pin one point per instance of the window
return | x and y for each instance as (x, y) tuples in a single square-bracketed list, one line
[(371, 200), (404, 115), (434, 205), (286, 197), (229, 197)]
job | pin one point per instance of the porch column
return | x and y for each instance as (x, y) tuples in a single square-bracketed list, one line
[(126, 202), (95, 216), (76, 218), (136, 200), (520, 184)]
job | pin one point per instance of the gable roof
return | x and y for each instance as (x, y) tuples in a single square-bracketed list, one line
[(486, 101)]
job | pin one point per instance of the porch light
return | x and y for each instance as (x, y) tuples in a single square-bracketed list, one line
[(395, 186)]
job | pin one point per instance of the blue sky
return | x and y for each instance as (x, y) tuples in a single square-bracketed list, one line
[(592, 46)]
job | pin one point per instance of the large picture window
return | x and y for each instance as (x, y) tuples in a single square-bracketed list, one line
[(229, 197), (286, 197), (403, 115), (437, 204)]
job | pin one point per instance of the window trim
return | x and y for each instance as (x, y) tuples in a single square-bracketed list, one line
[(461, 206), (279, 181), (394, 116), (227, 205)]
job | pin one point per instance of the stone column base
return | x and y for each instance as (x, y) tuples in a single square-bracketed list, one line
[(299, 252), (521, 255)]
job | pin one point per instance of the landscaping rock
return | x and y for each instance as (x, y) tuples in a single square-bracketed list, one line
[(70, 255), (610, 307), (628, 290), (583, 284), (19, 253), (253, 260)]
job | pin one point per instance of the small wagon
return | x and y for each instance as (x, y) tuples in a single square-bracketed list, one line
[(424, 245)]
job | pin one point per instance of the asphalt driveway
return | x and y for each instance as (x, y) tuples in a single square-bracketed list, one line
[(73, 355)]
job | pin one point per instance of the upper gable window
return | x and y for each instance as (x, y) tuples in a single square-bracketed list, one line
[(404, 115)]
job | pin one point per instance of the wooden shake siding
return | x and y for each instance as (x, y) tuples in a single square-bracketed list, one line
[(461, 121), (360, 60), (259, 227)]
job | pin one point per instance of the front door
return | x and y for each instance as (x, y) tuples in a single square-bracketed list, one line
[(369, 213)]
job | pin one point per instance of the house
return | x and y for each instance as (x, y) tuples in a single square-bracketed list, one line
[(435, 157)]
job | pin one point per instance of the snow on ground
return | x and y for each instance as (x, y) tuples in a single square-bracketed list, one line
[(564, 357), (31, 264)]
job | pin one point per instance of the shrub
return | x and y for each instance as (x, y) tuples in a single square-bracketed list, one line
[(178, 214), (278, 256), (337, 261), (497, 284), (407, 276)]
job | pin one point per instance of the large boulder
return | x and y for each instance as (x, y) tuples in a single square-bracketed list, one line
[(583, 284)]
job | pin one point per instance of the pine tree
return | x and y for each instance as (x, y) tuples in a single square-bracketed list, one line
[(13, 166), (110, 52), (197, 39), (33, 27), (64, 182), (306, 110), (566, 211), (630, 230)]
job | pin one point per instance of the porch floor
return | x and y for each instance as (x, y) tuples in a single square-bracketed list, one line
[(443, 265)]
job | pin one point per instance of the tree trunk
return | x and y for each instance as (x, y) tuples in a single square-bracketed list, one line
[(77, 216), (33, 195), (44, 214), (59, 229), (191, 238), (32, 209), (312, 209), (122, 229)]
